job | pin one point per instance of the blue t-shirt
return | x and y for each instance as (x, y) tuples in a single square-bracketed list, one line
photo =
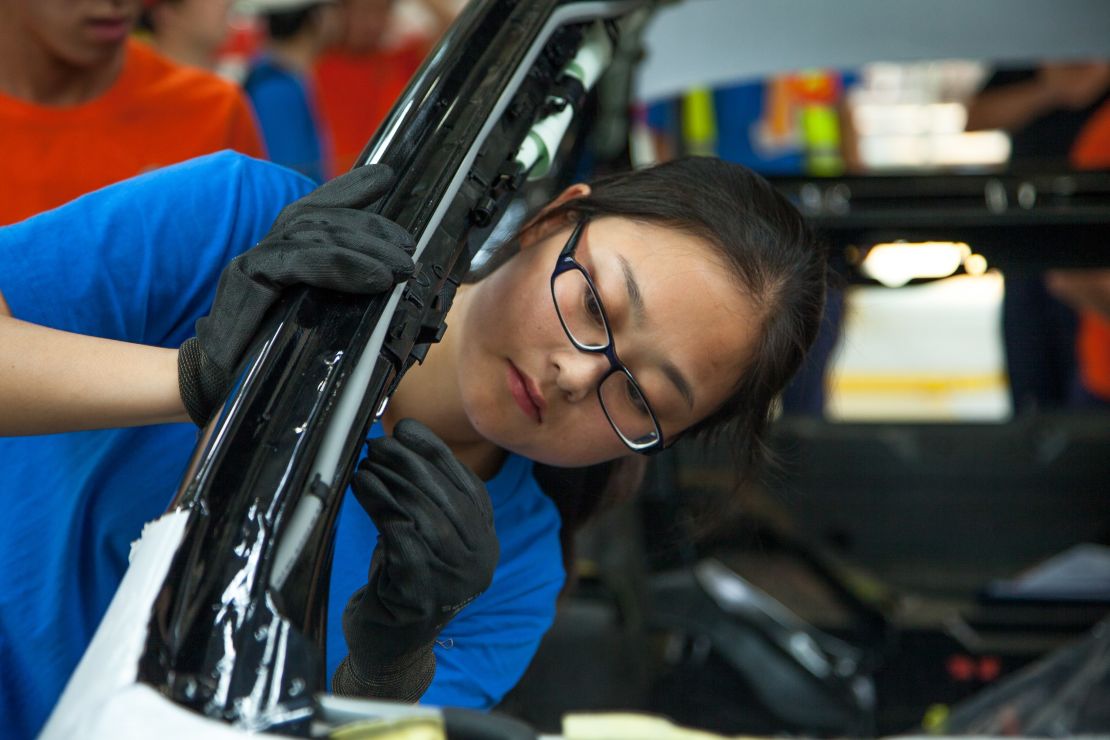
[(139, 261), (478, 659), (290, 126)]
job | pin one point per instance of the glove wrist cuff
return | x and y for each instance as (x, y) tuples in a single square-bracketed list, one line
[(200, 382), (405, 679)]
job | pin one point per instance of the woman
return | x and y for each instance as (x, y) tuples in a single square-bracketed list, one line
[(654, 305)]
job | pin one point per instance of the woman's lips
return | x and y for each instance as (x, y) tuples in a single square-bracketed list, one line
[(109, 30), (535, 395), (525, 393)]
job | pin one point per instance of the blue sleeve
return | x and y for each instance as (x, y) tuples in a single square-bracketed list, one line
[(139, 261), (484, 651), (281, 105)]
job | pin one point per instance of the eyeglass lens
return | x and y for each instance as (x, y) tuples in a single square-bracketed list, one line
[(580, 311)]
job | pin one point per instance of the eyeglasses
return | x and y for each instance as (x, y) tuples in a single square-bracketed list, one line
[(587, 326)]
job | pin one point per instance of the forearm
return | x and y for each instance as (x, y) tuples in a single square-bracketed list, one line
[(1010, 108), (55, 381), (1083, 290)]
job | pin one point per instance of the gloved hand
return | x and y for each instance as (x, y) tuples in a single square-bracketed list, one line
[(436, 552), (324, 240)]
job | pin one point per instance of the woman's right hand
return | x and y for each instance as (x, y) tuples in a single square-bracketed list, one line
[(436, 552), (324, 240)]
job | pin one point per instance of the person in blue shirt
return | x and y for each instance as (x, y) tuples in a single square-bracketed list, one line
[(278, 82), (711, 300)]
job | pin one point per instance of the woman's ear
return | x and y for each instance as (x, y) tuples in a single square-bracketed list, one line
[(541, 226)]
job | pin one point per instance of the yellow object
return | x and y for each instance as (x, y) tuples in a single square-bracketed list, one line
[(699, 122), (821, 134), (917, 383), (392, 728), (626, 726), (935, 719)]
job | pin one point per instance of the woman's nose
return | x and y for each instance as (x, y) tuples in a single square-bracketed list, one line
[(579, 373)]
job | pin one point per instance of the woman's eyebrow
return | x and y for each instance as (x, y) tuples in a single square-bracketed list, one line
[(635, 296), (636, 300), (675, 376)]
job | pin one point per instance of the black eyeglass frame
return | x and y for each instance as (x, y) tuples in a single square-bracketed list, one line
[(566, 263)]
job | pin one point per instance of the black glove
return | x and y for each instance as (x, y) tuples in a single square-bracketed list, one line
[(436, 552), (323, 240)]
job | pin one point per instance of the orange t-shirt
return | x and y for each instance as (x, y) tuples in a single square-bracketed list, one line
[(1092, 151), (356, 92), (155, 114)]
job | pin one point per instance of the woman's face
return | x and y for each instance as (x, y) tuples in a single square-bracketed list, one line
[(680, 323)]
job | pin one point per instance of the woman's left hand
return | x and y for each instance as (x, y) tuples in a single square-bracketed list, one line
[(436, 552)]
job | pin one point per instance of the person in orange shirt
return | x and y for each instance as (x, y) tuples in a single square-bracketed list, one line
[(1088, 291), (363, 62), (1044, 110), (1092, 146), (83, 105)]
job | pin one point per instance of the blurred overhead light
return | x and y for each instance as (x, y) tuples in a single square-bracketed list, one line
[(975, 264), (970, 148), (895, 264)]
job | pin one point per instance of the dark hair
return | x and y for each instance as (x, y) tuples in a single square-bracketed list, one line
[(773, 255), (285, 24)]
